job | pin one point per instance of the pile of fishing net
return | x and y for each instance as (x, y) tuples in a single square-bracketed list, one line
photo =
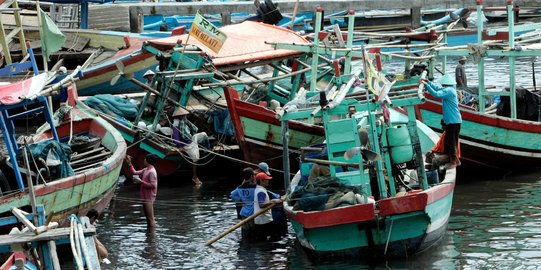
[(325, 193), (113, 106)]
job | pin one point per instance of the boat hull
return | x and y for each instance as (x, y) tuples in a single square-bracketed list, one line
[(259, 132), (405, 225), (489, 140), (92, 188)]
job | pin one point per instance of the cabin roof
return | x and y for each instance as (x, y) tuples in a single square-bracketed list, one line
[(246, 41)]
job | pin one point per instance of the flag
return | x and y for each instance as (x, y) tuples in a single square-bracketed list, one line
[(208, 34), (52, 38)]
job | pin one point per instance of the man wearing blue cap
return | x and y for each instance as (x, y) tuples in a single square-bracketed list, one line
[(451, 114), (263, 167)]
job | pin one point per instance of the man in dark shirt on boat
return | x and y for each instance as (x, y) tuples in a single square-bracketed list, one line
[(460, 74), (451, 115)]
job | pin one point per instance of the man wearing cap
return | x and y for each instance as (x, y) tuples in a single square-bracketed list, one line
[(263, 222), (263, 167), (187, 138), (451, 115), (460, 74)]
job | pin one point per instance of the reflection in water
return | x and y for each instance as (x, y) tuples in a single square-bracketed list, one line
[(494, 222)]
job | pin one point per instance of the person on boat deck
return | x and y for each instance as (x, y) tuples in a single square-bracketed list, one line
[(100, 248), (149, 75), (451, 115), (244, 194), (263, 223), (148, 178), (460, 74), (188, 139)]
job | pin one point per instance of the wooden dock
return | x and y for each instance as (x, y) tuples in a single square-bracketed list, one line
[(130, 15)]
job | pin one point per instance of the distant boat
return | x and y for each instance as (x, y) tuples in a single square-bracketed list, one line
[(497, 141)]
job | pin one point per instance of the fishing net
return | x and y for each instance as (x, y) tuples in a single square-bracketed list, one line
[(325, 193), (112, 105)]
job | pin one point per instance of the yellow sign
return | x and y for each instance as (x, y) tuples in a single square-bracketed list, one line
[(208, 34)]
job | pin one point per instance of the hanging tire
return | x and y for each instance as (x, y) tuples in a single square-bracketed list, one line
[(269, 13)]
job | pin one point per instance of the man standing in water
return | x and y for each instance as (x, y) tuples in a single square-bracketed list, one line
[(264, 223), (243, 195), (148, 178), (451, 115)]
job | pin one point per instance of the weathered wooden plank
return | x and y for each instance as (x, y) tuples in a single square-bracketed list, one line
[(109, 17), (29, 236)]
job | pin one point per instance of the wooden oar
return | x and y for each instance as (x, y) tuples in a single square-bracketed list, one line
[(236, 226)]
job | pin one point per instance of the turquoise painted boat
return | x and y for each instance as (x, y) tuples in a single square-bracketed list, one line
[(497, 141), (350, 196), (97, 153), (380, 221)]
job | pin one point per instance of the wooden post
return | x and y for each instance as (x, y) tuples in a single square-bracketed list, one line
[(136, 20), (226, 18), (415, 13)]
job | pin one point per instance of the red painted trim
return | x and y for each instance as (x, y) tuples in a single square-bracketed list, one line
[(468, 115), (418, 114), (238, 108), (497, 36), (252, 111), (335, 216), (413, 201), (232, 98)]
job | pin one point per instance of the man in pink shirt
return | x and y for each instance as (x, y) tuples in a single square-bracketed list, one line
[(148, 178)]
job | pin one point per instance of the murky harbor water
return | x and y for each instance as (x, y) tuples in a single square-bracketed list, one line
[(495, 222)]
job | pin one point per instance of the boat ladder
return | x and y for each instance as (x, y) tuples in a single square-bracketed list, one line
[(11, 7)]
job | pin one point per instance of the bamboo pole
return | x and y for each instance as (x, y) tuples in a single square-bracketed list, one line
[(236, 226), (54, 254)]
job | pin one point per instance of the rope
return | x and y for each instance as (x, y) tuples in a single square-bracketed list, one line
[(202, 148)]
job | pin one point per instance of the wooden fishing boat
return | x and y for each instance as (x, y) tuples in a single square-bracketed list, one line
[(364, 196), (196, 84), (500, 142), (257, 128), (389, 224), (84, 181), (259, 135)]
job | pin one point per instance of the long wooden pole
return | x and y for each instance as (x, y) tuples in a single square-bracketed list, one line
[(294, 15), (236, 226)]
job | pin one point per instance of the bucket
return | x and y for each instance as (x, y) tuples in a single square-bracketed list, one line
[(399, 142)]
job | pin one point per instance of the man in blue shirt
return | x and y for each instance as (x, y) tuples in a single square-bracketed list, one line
[(244, 194), (451, 114)]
